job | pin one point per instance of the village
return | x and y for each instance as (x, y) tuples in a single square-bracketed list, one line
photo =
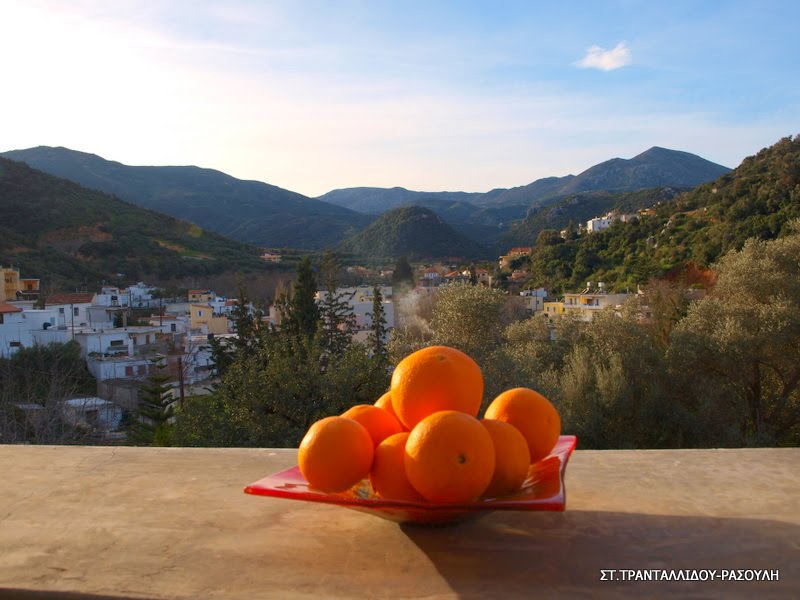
[(127, 335)]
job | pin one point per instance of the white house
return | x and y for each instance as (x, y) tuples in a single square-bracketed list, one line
[(103, 317), (113, 296), (604, 222), (101, 415), (120, 367), (534, 299), (10, 335), (598, 224), (363, 314), (592, 300), (170, 323), (73, 309), (141, 295), (360, 301), (26, 328)]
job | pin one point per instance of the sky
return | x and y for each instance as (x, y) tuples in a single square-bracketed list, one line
[(461, 95)]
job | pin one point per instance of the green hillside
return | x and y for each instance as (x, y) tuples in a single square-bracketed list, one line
[(71, 236), (580, 208), (415, 232), (248, 211), (757, 199)]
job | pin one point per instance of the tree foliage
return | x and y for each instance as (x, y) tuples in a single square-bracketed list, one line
[(152, 424), (280, 381), (403, 274), (34, 383), (376, 342), (744, 336)]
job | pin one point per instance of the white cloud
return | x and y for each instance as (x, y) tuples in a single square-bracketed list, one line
[(606, 60)]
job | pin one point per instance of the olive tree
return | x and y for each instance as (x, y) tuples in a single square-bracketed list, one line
[(743, 340)]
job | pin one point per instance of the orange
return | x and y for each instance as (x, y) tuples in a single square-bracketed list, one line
[(534, 416), (335, 454), (434, 379), (449, 457), (385, 402), (379, 423), (388, 475), (512, 458)]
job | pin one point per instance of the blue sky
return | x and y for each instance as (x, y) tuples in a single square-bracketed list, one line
[(313, 96)]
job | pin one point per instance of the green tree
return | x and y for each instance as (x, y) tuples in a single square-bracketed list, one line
[(249, 334), (301, 315), (376, 341), (744, 336), (34, 383), (473, 275), (403, 274), (470, 318), (335, 311), (272, 399), (152, 425)]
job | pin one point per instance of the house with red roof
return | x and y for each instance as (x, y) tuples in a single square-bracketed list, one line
[(73, 309)]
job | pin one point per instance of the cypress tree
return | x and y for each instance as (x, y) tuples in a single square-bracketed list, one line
[(377, 338), (403, 273), (473, 275), (301, 314), (152, 425), (335, 311)]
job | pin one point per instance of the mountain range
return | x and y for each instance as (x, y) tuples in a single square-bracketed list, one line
[(268, 216), (248, 211), (656, 167), (70, 236)]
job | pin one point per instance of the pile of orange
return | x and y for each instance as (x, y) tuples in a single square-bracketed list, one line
[(421, 441)]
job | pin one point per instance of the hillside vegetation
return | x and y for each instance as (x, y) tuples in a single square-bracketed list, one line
[(758, 199), (248, 211), (71, 236), (415, 232), (578, 209)]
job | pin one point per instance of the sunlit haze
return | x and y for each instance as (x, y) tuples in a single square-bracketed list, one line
[(313, 96)]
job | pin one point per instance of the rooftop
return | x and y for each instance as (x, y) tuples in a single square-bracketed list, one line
[(174, 523), (87, 298), (6, 308)]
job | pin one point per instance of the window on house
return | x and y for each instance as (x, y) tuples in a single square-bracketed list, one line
[(15, 344), (117, 343), (142, 370), (1, 318), (173, 327), (76, 311), (147, 339), (61, 310), (199, 313), (128, 371)]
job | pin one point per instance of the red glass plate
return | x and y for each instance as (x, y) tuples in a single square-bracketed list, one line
[(542, 490)]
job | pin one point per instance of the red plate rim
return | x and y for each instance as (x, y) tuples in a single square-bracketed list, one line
[(290, 484)]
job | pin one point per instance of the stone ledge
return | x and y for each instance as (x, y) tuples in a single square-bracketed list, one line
[(173, 523)]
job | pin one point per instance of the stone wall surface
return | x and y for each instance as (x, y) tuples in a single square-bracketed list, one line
[(173, 523)]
